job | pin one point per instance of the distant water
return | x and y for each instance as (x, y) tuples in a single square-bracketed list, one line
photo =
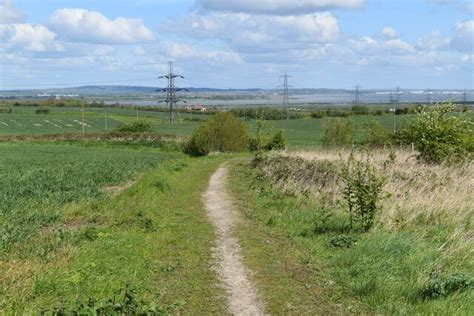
[(331, 98)]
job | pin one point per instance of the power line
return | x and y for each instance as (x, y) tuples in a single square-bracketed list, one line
[(171, 99)]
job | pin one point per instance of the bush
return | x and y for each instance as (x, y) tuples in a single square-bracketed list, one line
[(223, 132), (42, 111), (318, 114), (278, 141), (337, 132), (362, 191), (263, 138), (360, 109), (139, 126), (376, 135), (439, 135), (438, 287)]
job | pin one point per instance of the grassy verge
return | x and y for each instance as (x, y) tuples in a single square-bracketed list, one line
[(307, 262), (291, 279), (150, 237)]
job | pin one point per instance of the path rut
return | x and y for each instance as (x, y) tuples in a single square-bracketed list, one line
[(242, 295)]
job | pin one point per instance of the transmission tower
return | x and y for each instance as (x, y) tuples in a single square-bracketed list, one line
[(429, 97), (397, 97), (464, 97), (286, 98), (357, 94), (171, 99), (395, 100)]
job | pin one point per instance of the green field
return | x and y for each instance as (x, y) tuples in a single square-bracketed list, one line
[(24, 121), (121, 222), (82, 222)]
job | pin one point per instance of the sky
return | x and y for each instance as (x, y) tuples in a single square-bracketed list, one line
[(377, 44)]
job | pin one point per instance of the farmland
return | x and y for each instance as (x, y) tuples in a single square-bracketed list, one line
[(300, 132), (81, 222), (86, 221)]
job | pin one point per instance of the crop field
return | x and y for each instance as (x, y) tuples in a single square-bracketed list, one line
[(67, 228), (37, 180), (300, 132)]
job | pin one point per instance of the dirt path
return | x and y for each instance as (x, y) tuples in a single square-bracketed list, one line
[(242, 295)]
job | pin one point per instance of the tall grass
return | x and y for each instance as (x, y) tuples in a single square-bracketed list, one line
[(420, 196), (418, 257)]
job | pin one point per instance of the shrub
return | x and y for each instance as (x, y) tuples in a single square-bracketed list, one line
[(264, 138), (223, 132), (337, 132), (438, 287), (376, 135), (439, 135), (318, 114), (139, 126), (278, 141), (360, 109), (261, 137), (5, 110), (42, 111), (362, 191)]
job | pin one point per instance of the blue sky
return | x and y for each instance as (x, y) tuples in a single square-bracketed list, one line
[(238, 44)]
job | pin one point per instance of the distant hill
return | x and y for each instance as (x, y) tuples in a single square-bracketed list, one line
[(114, 90)]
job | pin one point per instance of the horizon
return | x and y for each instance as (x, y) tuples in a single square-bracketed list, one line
[(351, 90), (331, 44)]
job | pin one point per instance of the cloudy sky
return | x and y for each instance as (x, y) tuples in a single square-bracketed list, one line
[(238, 43)]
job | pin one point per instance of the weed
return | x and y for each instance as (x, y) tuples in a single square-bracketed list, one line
[(342, 241), (362, 191), (123, 302), (441, 286), (162, 184)]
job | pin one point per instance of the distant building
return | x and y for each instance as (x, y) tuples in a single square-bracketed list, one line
[(197, 108)]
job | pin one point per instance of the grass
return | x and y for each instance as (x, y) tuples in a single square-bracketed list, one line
[(383, 271), (301, 133), (109, 231), (24, 121)]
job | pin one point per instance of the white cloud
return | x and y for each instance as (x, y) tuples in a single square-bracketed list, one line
[(185, 52), (33, 38), (9, 14), (370, 46), (389, 32), (399, 45), (279, 7), (256, 33), (81, 25), (464, 39), (433, 41)]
